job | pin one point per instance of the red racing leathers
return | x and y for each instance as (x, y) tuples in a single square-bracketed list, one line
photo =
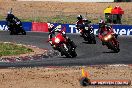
[(109, 30), (103, 29)]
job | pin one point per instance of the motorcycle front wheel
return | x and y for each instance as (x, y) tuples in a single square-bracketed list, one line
[(73, 53), (23, 32), (65, 52), (113, 47), (93, 39)]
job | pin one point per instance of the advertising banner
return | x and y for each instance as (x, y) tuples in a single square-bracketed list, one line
[(123, 29), (3, 26), (27, 26), (70, 28), (118, 29), (39, 27)]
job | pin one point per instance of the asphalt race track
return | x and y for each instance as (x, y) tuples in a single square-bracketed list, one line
[(88, 54)]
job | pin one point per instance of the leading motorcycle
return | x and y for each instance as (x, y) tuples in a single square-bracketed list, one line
[(62, 45)]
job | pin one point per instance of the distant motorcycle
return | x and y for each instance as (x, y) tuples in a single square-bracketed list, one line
[(61, 44), (14, 24), (16, 28), (88, 35), (110, 41)]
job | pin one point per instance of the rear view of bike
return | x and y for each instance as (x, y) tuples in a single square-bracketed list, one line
[(88, 35)]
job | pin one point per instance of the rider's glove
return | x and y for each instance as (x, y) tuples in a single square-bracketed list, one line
[(18, 23)]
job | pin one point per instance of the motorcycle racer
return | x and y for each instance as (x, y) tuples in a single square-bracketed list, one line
[(104, 27), (82, 23), (12, 20), (14, 24), (52, 31)]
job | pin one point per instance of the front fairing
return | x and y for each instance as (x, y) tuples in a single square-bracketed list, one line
[(61, 39)]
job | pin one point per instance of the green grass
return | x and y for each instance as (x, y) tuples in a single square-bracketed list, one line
[(8, 49)]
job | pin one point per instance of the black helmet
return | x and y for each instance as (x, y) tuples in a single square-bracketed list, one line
[(79, 17), (10, 16)]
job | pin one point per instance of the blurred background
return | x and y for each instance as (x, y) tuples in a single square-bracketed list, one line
[(62, 12)]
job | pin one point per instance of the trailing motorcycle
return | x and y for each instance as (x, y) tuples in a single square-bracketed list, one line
[(110, 41), (62, 45), (14, 24), (88, 35), (16, 28)]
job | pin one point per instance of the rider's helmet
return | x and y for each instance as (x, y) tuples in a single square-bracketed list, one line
[(50, 27), (10, 16), (79, 17), (101, 23)]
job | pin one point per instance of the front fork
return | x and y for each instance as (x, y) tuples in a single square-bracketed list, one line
[(65, 46), (113, 40)]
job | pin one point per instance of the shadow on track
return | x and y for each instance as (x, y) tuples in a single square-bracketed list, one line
[(109, 52), (87, 43)]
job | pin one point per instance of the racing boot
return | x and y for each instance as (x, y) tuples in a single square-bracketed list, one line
[(62, 54), (115, 35)]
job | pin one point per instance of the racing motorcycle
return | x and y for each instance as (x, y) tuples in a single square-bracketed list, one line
[(108, 39), (61, 44), (16, 28), (14, 25), (88, 35)]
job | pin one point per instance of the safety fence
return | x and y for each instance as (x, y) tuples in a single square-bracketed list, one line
[(70, 28)]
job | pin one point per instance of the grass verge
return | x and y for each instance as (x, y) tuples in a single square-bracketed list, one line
[(9, 49)]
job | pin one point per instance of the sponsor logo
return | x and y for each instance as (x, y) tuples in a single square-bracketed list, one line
[(123, 31), (110, 82), (85, 80), (3, 27), (72, 29)]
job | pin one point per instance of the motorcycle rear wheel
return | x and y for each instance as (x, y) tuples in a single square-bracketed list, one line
[(13, 32)]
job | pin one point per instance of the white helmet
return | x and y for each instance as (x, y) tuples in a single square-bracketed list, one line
[(50, 26)]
